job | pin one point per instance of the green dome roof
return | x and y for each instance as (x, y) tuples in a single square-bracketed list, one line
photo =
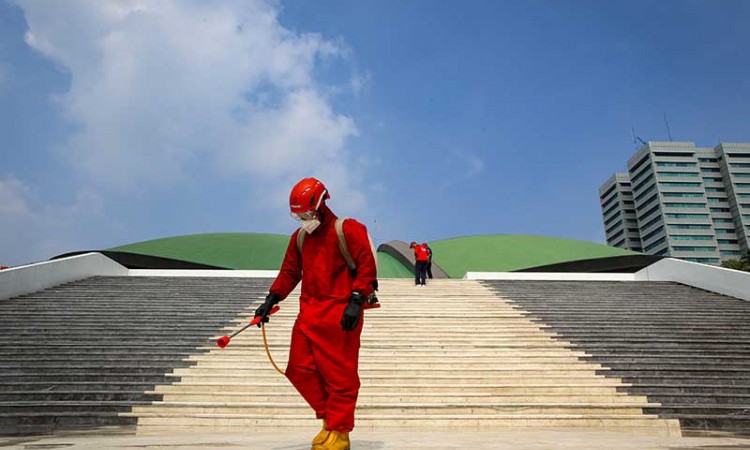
[(510, 252), (456, 256), (242, 251)]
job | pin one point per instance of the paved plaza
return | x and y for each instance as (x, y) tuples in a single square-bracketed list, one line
[(290, 439)]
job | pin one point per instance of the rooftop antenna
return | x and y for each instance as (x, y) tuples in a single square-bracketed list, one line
[(666, 122), (636, 139)]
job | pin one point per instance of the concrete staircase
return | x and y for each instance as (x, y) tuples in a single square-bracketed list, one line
[(683, 348), (78, 355), (446, 355)]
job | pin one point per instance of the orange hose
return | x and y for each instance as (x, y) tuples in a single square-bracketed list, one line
[(268, 352)]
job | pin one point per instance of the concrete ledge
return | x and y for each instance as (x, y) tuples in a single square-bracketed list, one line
[(36, 277), (549, 276), (730, 282), (203, 273)]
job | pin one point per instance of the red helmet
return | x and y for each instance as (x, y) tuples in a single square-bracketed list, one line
[(307, 196)]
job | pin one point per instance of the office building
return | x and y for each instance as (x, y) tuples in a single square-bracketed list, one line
[(682, 201)]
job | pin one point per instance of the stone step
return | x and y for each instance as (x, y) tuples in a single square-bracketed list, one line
[(75, 395), (552, 387), (370, 421), (77, 386), (423, 362), (95, 377), (536, 378), (365, 372), (368, 396), (446, 408), (51, 422)]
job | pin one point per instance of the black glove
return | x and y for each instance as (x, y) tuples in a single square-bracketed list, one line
[(352, 312), (263, 310)]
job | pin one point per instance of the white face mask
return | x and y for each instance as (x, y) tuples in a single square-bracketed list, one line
[(310, 225)]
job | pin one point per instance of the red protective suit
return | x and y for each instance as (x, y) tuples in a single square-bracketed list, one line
[(323, 359), (421, 253)]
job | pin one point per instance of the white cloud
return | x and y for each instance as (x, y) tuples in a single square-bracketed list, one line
[(164, 91)]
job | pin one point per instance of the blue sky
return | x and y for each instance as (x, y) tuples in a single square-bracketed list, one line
[(133, 120)]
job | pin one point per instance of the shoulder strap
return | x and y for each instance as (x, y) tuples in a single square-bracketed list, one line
[(300, 240), (343, 247)]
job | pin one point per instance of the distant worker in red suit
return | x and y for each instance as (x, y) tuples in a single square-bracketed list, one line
[(422, 255), (324, 353), (429, 261)]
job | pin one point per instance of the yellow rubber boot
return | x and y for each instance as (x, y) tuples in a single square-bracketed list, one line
[(321, 437), (337, 440)]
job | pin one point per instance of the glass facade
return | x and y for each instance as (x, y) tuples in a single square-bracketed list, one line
[(666, 205)]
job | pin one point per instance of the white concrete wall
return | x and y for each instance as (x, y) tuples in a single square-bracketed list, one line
[(36, 277), (730, 282), (549, 276), (204, 273)]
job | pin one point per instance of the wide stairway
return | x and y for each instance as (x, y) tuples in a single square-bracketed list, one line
[(683, 348), (122, 351), (451, 354), (78, 355)]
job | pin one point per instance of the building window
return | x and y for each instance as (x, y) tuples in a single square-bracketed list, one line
[(675, 154), (724, 231), (655, 244), (740, 165), (679, 174), (712, 160), (613, 227), (619, 244), (723, 221), (690, 248), (612, 208), (683, 194), (742, 185), (742, 175), (649, 201), (688, 226), (639, 175), (703, 260), (652, 234), (650, 223), (715, 189), (685, 205), (729, 253), (613, 218), (720, 210), (710, 169), (681, 184), (711, 180), (689, 237), (649, 212), (716, 200), (646, 192), (686, 216), (674, 164), (727, 241), (741, 195)]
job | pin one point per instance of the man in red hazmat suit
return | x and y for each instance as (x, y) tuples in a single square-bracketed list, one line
[(324, 352)]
